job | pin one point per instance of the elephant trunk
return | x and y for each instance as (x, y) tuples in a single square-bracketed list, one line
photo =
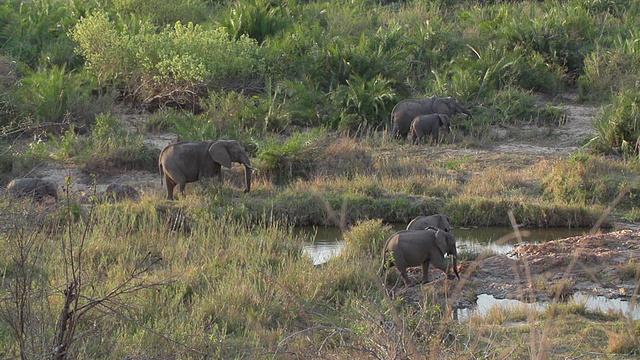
[(455, 265), (466, 112), (247, 177)]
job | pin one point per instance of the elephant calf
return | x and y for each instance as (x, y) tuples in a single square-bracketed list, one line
[(423, 125), (32, 187), (409, 248)]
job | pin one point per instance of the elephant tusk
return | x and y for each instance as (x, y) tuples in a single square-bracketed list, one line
[(252, 168)]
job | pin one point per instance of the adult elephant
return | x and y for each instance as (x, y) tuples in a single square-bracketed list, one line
[(186, 162), (439, 221), (409, 248), (406, 110)]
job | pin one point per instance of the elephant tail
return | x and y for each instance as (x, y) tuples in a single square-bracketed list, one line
[(161, 172)]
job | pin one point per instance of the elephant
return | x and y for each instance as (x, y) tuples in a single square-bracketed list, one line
[(438, 221), (406, 110), (423, 125), (186, 162), (33, 187), (409, 248), (119, 192)]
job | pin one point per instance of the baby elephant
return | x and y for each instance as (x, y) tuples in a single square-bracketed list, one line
[(409, 248), (423, 125), (437, 221), (32, 187)]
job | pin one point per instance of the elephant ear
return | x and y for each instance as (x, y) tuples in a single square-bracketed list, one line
[(441, 241), (220, 154), (442, 101), (444, 120)]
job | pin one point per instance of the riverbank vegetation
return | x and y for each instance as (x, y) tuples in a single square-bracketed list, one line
[(307, 87)]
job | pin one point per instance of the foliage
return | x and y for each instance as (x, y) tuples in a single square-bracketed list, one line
[(167, 65), (111, 147), (257, 19), (367, 237), (618, 127), (576, 181), (165, 12), (35, 32), (287, 160), (52, 96)]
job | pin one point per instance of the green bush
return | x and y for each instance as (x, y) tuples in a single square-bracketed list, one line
[(611, 70), (257, 19), (578, 181), (367, 238), (171, 65), (35, 32), (111, 147), (618, 126), (293, 158), (163, 12), (52, 95)]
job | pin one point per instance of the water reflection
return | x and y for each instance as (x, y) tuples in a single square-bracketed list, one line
[(592, 303), (321, 251)]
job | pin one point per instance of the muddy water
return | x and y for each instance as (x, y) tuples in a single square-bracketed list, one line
[(328, 243)]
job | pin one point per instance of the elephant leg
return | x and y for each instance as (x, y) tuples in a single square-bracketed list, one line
[(181, 186), (439, 263), (425, 271), (405, 276), (170, 186)]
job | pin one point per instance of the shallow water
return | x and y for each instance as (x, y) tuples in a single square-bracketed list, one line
[(592, 303), (328, 243)]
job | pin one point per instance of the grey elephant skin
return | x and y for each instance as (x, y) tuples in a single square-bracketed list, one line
[(406, 110), (32, 187), (439, 221), (186, 162), (409, 248), (425, 125)]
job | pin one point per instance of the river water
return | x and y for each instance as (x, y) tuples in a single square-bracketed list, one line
[(328, 243)]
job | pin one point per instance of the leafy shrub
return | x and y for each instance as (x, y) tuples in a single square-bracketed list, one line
[(52, 95), (110, 147), (295, 157), (232, 113), (257, 19), (610, 70), (618, 126), (364, 105), (163, 12), (367, 237), (577, 181), (35, 32), (166, 66)]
